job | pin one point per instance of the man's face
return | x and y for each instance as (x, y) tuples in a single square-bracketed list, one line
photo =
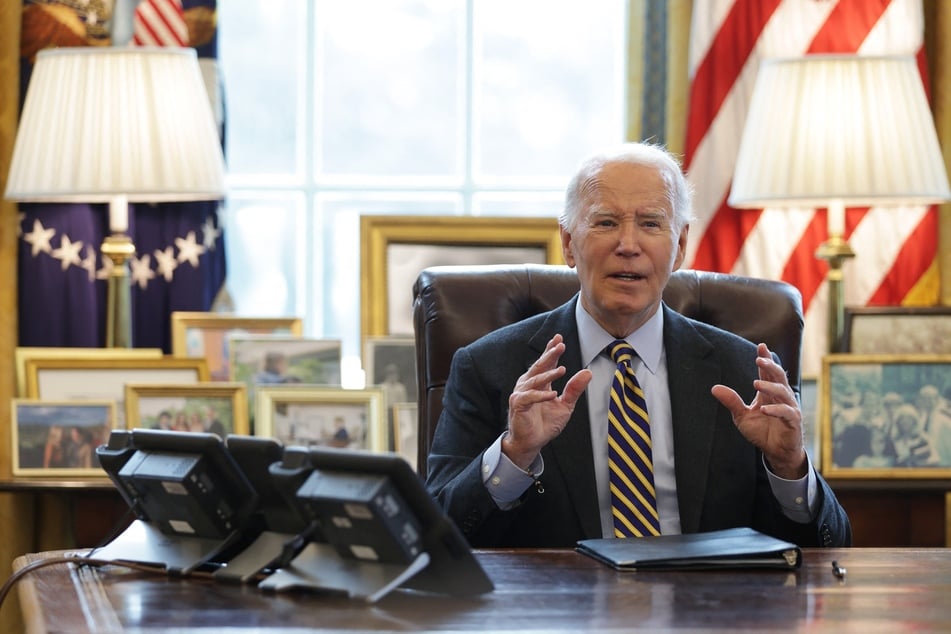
[(625, 245)]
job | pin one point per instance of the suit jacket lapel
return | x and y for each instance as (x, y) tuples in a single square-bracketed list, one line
[(692, 370), (569, 455)]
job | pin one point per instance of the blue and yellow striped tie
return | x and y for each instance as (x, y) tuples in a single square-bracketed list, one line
[(633, 500)]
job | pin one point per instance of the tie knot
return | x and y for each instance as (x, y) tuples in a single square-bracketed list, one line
[(621, 352)]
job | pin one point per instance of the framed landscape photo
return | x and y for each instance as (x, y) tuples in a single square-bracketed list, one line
[(394, 249), (22, 354), (59, 438), (313, 416), (214, 407), (72, 379), (897, 330), (207, 335), (886, 416)]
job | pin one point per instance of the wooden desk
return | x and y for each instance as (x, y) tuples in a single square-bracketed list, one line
[(885, 590)]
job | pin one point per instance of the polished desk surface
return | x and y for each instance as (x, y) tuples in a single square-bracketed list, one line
[(884, 590)]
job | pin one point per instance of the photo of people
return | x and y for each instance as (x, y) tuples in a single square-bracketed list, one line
[(890, 415), (60, 436), (324, 416), (283, 360), (390, 362), (201, 412)]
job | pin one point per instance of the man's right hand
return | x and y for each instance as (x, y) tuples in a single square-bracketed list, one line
[(536, 412)]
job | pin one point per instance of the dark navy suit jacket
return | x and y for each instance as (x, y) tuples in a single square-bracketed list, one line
[(721, 480)]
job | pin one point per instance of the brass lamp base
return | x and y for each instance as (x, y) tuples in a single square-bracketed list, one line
[(835, 251), (119, 248)]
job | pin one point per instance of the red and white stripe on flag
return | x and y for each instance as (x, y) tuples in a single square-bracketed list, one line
[(159, 23), (894, 247)]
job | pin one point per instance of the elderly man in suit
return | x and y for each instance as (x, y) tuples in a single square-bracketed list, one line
[(520, 453)]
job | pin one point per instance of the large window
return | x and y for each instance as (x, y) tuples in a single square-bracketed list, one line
[(337, 108)]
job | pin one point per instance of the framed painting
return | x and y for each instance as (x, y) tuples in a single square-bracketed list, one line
[(390, 362), (207, 335), (897, 330), (886, 416), (59, 438), (72, 379), (394, 249), (24, 353), (214, 407), (312, 416)]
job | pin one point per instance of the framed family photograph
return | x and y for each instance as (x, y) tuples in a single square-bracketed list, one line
[(897, 330), (73, 379), (207, 336), (324, 416), (390, 362), (22, 354), (886, 416), (394, 249), (59, 438), (214, 407)]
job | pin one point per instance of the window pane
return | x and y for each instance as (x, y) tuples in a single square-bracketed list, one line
[(519, 204), (338, 240), (261, 49), (265, 248), (547, 89), (389, 85)]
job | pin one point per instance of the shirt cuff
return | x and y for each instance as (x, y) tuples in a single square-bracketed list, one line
[(504, 480), (796, 497)]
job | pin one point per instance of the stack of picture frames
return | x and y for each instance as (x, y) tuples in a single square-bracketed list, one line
[(226, 374), (886, 397), (394, 249)]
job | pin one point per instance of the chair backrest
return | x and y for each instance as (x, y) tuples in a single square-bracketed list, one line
[(455, 305)]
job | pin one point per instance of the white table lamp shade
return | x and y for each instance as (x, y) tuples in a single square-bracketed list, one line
[(101, 123), (840, 129)]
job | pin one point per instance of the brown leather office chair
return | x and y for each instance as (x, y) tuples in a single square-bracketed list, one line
[(455, 305)]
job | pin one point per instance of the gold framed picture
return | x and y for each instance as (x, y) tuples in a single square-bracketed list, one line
[(394, 249), (84, 379), (886, 416), (897, 330), (214, 407), (206, 336), (312, 416), (24, 353), (59, 438)]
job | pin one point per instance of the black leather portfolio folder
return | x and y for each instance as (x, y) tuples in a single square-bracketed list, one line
[(730, 548)]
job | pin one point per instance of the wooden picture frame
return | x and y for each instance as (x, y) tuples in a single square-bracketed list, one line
[(59, 438), (83, 379), (394, 249), (311, 416), (897, 330), (215, 407), (22, 354), (205, 335), (882, 416), (390, 362)]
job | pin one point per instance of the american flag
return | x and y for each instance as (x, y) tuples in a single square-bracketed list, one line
[(896, 249), (159, 23)]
